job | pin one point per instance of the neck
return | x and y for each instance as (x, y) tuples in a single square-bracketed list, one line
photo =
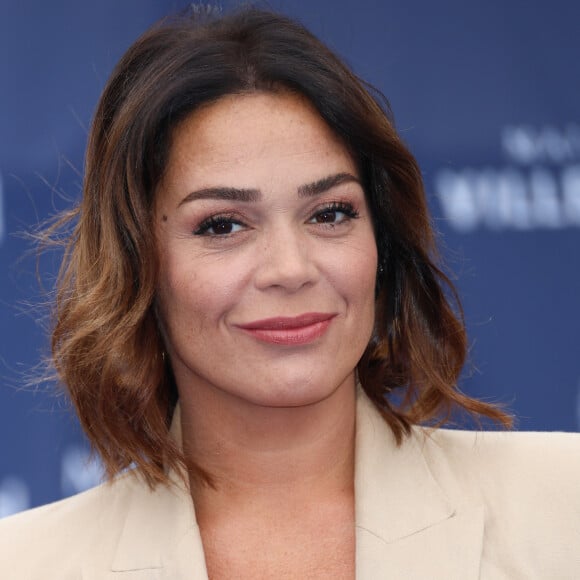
[(270, 453)]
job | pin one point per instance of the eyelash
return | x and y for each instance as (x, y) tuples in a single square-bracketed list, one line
[(231, 219), (213, 222), (337, 207)]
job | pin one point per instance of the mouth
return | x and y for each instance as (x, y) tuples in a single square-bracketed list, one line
[(294, 330)]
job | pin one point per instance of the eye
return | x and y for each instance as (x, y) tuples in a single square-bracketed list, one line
[(335, 213), (218, 226)]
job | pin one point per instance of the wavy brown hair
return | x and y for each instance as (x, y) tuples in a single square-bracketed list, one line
[(106, 344)]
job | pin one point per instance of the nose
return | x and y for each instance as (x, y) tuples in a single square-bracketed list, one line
[(286, 260)]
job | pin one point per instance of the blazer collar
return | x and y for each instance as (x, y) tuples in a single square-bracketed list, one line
[(406, 524)]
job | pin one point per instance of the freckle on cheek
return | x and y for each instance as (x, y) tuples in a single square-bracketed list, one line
[(164, 218)]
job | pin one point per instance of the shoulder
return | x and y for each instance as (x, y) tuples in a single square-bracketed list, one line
[(529, 487), (61, 535), (536, 459)]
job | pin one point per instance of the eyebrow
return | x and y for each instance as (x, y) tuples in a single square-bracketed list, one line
[(326, 183), (227, 193), (248, 195)]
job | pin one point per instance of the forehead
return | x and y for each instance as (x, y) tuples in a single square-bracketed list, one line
[(256, 136)]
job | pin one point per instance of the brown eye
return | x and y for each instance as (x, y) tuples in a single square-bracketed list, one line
[(221, 228), (335, 213), (218, 226), (326, 217)]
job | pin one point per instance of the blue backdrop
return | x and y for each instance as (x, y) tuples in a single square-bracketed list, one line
[(486, 94)]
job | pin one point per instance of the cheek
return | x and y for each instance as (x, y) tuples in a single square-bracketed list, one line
[(355, 272), (195, 292)]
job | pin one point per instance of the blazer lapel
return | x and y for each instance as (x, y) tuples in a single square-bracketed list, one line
[(406, 525), (160, 539)]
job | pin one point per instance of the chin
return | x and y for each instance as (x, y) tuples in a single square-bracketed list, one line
[(301, 393)]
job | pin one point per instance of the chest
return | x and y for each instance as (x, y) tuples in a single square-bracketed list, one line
[(285, 550)]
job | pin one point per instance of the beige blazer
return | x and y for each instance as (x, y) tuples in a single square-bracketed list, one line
[(445, 505)]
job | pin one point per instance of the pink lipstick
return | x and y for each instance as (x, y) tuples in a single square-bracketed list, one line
[(296, 330)]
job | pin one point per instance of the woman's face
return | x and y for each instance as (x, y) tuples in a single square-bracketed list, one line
[(267, 253)]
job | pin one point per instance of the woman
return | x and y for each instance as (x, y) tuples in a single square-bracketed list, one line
[(253, 329)]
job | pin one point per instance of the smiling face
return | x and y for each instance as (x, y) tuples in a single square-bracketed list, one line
[(267, 253)]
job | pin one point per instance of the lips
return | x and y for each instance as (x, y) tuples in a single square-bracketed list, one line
[(294, 330)]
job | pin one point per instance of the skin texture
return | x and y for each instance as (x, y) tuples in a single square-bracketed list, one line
[(269, 414)]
